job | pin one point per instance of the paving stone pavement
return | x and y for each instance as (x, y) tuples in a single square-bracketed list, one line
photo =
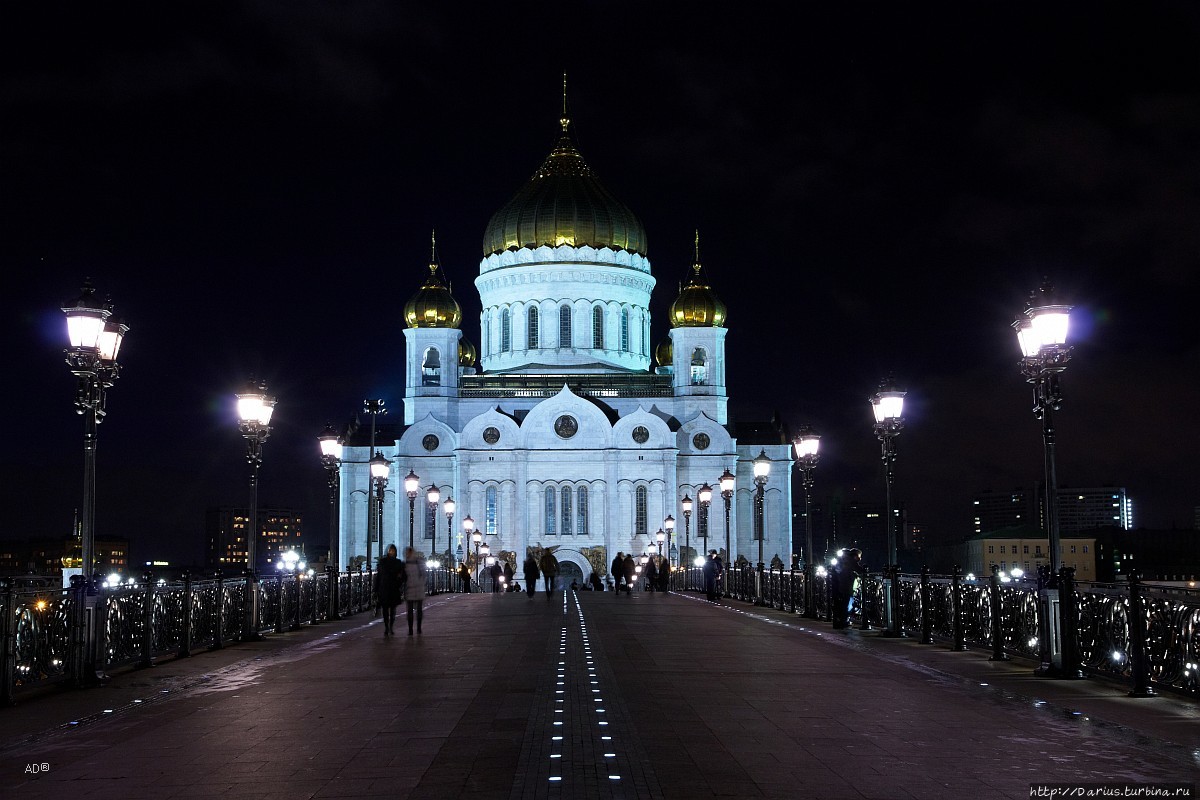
[(592, 695)]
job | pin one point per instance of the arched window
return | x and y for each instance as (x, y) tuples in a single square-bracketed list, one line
[(430, 520), (489, 512), (702, 520), (566, 511), (487, 334), (639, 522), (564, 326), (431, 367), (531, 331), (598, 328), (551, 520), (581, 525), (624, 330), (699, 367), (646, 335), (505, 331)]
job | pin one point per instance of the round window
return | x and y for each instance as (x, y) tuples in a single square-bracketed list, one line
[(491, 435)]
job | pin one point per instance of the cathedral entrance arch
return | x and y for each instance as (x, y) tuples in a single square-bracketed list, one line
[(572, 566)]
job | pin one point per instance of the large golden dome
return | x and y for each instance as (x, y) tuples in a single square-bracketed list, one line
[(664, 354), (433, 306), (563, 203), (697, 305)]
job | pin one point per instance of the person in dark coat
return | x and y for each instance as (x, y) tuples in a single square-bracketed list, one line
[(594, 580), (495, 570), (531, 574), (841, 584), (651, 573), (414, 587), (508, 577), (664, 574), (629, 570), (617, 568), (712, 575), (549, 567), (389, 587), (464, 577)]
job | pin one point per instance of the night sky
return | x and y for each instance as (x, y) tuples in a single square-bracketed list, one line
[(877, 186)]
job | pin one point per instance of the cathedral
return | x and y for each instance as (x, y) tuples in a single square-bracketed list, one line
[(558, 430)]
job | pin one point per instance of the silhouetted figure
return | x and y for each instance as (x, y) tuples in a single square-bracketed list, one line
[(531, 575), (414, 591), (847, 568), (389, 588), (549, 567)]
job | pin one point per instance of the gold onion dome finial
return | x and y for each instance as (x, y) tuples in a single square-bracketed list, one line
[(697, 305), (466, 352), (664, 354), (564, 203), (433, 306)]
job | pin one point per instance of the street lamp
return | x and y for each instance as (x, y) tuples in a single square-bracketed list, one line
[(94, 339), (661, 537), (331, 459), (486, 552), (888, 405), (806, 445), (475, 537), (669, 526), (433, 495), (762, 473), (254, 408), (1042, 336), (727, 483), (448, 507), (380, 469), (412, 482), (374, 408), (686, 504)]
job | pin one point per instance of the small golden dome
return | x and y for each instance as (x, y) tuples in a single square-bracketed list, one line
[(563, 203), (664, 354), (433, 306), (466, 352), (697, 305)]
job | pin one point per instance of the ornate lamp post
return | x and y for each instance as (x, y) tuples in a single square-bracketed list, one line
[(762, 473), (888, 405), (686, 505), (412, 483), (254, 407), (94, 338), (433, 496), (486, 552), (374, 408), (380, 469), (704, 495), (331, 459), (806, 445), (448, 507), (669, 527), (476, 537), (727, 483), (1042, 336)]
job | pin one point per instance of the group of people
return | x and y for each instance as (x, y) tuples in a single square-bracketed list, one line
[(657, 573), (400, 581), (546, 567)]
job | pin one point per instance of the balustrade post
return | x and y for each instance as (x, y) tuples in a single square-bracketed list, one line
[(864, 623), (8, 647), (185, 638), (1139, 661), (331, 572), (299, 601), (1069, 612), (219, 612), (997, 604), (956, 621), (147, 659), (79, 637), (279, 616), (926, 607)]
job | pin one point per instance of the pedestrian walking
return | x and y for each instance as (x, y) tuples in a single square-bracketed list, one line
[(464, 577), (531, 573), (549, 567), (495, 570), (414, 591), (617, 568), (664, 574), (712, 574), (651, 573), (847, 568), (508, 577), (389, 587), (594, 580)]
